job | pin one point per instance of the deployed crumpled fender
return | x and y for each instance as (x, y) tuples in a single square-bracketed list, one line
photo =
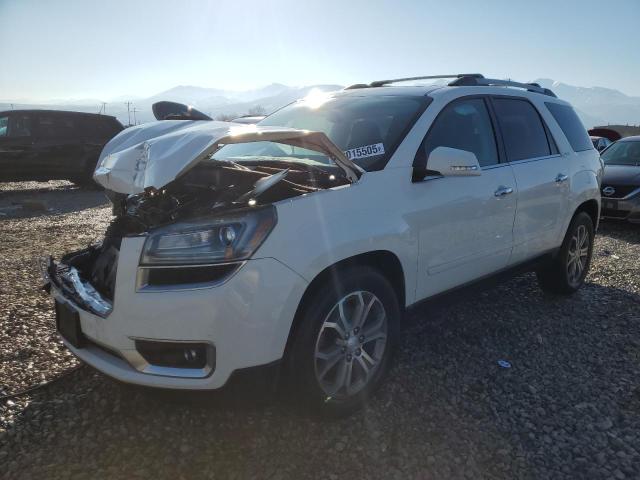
[(154, 154)]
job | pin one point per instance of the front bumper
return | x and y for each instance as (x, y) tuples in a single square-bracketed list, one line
[(627, 208), (246, 321)]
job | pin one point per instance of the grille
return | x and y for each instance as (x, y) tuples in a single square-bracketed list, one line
[(620, 190)]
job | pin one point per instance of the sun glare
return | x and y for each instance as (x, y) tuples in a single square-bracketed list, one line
[(316, 98)]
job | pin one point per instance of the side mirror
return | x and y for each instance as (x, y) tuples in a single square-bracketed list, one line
[(453, 162)]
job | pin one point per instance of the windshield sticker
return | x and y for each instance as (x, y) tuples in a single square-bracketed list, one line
[(366, 151)]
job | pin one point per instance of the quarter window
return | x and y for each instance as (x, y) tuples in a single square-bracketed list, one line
[(571, 126), (522, 129), (56, 127), (463, 124)]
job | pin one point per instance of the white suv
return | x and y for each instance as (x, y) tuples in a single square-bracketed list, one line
[(297, 244)]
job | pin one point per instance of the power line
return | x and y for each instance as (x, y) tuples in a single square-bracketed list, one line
[(128, 104)]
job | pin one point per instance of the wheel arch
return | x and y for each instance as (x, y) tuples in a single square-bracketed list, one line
[(591, 208), (385, 261)]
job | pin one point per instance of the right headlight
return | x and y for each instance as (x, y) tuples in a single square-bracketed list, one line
[(223, 239)]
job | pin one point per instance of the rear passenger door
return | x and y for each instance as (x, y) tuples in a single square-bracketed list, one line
[(60, 146), (464, 223), (541, 176), (16, 145)]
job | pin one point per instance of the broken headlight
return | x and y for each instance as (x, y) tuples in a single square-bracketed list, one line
[(223, 239)]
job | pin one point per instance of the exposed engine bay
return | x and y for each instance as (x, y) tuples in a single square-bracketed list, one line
[(209, 189), (217, 186)]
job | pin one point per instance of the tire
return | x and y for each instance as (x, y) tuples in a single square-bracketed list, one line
[(567, 271), (326, 347)]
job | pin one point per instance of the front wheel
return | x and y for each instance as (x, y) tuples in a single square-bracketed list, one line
[(569, 268), (344, 344)]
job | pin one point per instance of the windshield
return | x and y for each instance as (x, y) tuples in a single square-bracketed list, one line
[(368, 129), (622, 153)]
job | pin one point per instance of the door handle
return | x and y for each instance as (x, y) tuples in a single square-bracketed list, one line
[(562, 178), (502, 191)]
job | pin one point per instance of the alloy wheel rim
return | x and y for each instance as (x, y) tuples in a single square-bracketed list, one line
[(578, 255), (351, 344)]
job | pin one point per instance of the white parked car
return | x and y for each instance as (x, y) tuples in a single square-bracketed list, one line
[(297, 244)]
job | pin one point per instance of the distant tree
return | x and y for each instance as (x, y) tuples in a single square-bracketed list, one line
[(258, 110), (226, 117)]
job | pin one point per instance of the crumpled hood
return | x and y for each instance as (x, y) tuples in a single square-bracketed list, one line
[(154, 154)]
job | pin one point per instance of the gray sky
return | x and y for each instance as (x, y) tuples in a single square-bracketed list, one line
[(105, 49)]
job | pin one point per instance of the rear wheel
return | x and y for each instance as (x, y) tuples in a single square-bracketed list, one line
[(345, 341), (568, 270)]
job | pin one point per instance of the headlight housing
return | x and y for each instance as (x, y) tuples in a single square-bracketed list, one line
[(224, 239)]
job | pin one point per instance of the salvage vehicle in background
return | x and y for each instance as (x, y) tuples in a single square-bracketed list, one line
[(600, 143), (296, 244), (621, 181), (52, 144)]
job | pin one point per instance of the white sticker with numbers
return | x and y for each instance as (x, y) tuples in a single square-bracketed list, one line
[(366, 151)]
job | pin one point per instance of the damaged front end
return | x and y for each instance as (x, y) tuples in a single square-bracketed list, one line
[(68, 282), (201, 217)]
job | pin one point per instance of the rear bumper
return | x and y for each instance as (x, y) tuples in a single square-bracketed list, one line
[(246, 321)]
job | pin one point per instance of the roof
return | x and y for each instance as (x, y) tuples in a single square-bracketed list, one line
[(63, 112), (634, 138)]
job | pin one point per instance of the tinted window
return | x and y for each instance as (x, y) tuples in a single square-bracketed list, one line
[(571, 126), (465, 125), (109, 127), (522, 129), (54, 126), (4, 126), (96, 127), (16, 125), (367, 129)]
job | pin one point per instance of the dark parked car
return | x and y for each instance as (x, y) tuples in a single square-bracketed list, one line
[(621, 182), (50, 144)]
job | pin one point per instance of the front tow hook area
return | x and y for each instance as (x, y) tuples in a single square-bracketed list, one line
[(66, 280)]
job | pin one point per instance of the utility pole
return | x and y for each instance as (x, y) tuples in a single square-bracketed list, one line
[(103, 108), (128, 104), (135, 122)]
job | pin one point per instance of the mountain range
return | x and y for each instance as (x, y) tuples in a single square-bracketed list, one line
[(595, 105)]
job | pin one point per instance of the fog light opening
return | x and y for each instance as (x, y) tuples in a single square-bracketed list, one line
[(176, 354)]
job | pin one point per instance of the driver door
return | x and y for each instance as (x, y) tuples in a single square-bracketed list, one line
[(464, 223)]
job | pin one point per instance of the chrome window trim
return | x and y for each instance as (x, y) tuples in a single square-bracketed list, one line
[(535, 159)]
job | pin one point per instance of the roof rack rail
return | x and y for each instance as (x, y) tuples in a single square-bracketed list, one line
[(380, 83), (470, 81), (461, 80)]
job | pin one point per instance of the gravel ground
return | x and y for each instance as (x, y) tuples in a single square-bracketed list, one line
[(568, 407)]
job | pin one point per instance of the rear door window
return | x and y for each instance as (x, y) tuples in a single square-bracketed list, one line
[(522, 129), (4, 126), (463, 124), (55, 126), (571, 126), (15, 126)]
